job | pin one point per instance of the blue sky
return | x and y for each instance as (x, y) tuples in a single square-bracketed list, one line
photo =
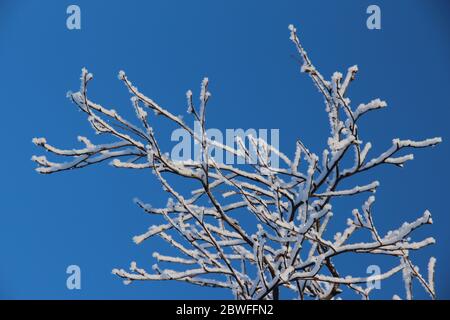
[(87, 217)]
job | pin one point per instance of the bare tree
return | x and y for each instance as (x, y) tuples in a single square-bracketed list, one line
[(288, 248)]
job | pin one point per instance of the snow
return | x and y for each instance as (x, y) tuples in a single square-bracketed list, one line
[(372, 105), (357, 189), (291, 203), (204, 94), (39, 141), (407, 279), (121, 75), (417, 144), (431, 268), (365, 151), (400, 160), (189, 101)]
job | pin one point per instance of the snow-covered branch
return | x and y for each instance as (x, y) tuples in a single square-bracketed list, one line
[(286, 247)]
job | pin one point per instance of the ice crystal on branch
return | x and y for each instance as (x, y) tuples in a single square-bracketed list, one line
[(291, 204)]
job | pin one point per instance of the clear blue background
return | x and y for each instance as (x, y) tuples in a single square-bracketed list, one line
[(87, 217)]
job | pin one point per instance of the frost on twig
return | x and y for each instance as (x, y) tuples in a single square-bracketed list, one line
[(289, 249)]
